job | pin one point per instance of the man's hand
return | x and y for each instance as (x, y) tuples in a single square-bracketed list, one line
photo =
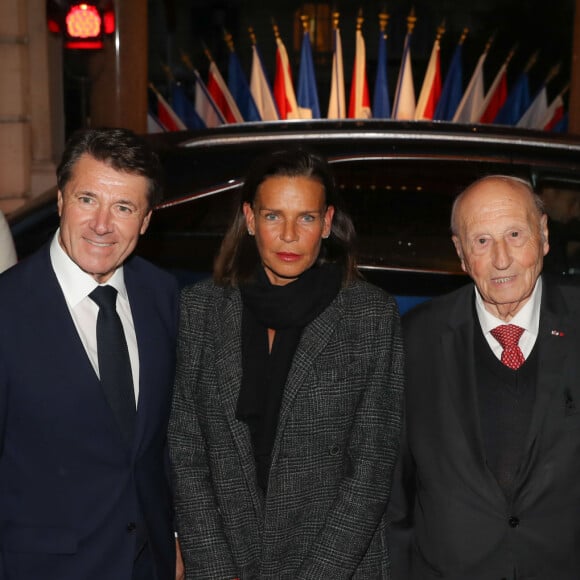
[(179, 567)]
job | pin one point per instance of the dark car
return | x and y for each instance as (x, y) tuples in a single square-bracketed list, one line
[(398, 181)]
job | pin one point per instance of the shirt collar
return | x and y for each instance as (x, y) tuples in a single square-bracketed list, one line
[(527, 318), (77, 285)]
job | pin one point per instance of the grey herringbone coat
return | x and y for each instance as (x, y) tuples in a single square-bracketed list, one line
[(332, 462)]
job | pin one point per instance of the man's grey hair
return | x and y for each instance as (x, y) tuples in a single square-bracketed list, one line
[(514, 182)]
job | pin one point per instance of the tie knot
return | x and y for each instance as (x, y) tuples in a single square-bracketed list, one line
[(104, 296), (507, 335)]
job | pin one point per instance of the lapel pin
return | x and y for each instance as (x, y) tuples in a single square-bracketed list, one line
[(557, 333)]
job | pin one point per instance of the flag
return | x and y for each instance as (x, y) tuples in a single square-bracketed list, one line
[(554, 114), (556, 118), (517, 102), (205, 106), (260, 88), (359, 106), (452, 87), (153, 124), (472, 100), (238, 85), (307, 93), (337, 100), (166, 116), (562, 125), (496, 95), (381, 102), (284, 94), (221, 95), (404, 101), (184, 108), (534, 117), (431, 89)]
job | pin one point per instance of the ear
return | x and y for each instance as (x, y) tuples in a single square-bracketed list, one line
[(327, 226), (459, 251), (250, 218), (544, 234), (59, 202), (145, 223)]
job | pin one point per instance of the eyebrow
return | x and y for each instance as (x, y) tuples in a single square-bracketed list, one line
[(95, 196), (280, 210)]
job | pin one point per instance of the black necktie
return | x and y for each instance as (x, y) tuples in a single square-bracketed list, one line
[(114, 362)]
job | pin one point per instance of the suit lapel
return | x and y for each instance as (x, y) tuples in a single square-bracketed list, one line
[(228, 356), (156, 349), (556, 349), (314, 339), (459, 369)]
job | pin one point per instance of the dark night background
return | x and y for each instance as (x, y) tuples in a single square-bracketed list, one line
[(177, 26)]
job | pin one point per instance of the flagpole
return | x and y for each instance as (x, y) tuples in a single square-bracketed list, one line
[(531, 62), (430, 82), (337, 97), (284, 93), (553, 72), (381, 105), (411, 21), (260, 87), (199, 82), (359, 103), (474, 87)]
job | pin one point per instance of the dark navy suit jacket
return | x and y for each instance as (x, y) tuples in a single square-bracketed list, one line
[(70, 487), (450, 518)]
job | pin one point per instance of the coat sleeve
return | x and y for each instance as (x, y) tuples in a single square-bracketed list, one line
[(371, 453), (204, 546), (400, 513)]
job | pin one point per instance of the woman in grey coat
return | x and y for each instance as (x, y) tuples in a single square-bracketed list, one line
[(287, 405)]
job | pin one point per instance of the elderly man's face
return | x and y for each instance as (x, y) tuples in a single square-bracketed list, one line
[(501, 241)]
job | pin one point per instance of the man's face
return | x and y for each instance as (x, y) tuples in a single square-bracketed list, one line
[(501, 241), (102, 214)]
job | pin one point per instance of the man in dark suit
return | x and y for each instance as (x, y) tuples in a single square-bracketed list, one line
[(84, 493), (488, 482)]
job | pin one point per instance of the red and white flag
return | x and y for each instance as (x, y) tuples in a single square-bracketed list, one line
[(218, 89), (166, 116), (470, 105), (496, 96), (431, 89), (284, 94), (554, 114), (359, 106)]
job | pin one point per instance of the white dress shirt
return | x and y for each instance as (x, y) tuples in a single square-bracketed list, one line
[(7, 250), (527, 318), (76, 286)]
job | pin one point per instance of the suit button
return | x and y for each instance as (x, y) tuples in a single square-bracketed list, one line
[(334, 450), (514, 522), (131, 527)]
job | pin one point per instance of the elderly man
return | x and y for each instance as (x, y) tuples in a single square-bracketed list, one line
[(87, 339), (488, 486)]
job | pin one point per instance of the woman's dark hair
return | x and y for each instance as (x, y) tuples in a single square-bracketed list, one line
[(121, 149), (238, 255)]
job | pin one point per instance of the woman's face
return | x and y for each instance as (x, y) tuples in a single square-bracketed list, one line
[(289, 220)]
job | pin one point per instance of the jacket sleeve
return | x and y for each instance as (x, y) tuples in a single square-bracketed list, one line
[(371, 453), (205, 549), (400, 513)]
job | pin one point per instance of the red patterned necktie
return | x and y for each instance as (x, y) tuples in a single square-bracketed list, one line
[(508, 335)]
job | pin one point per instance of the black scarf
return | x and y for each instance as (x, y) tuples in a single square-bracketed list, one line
[(286, 309)]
